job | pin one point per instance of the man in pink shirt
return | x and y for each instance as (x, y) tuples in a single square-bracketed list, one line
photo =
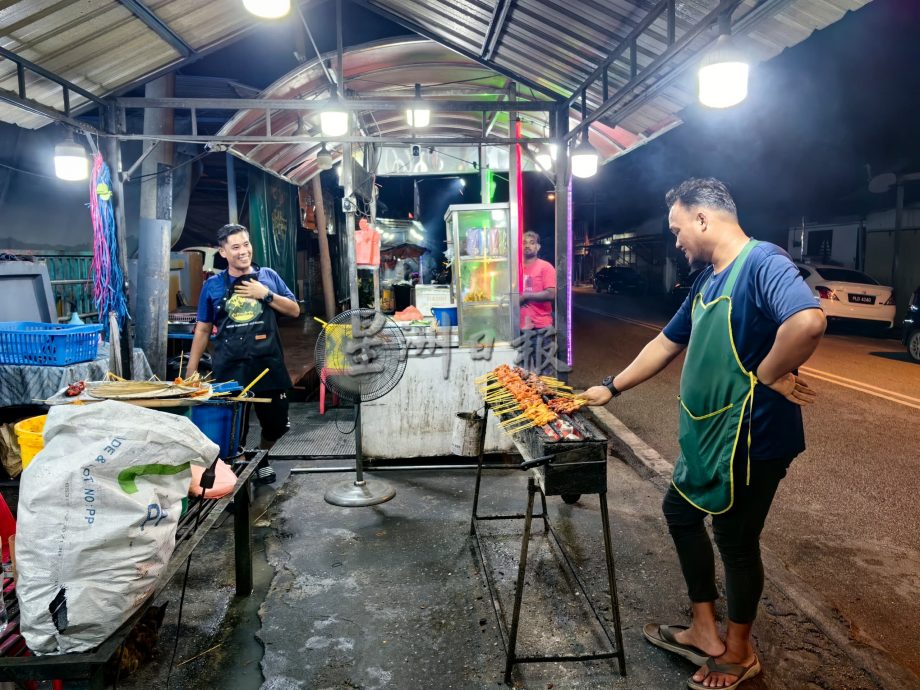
[(539, 291)]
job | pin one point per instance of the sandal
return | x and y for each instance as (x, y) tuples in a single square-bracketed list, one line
[(663, 636), (743, 672)]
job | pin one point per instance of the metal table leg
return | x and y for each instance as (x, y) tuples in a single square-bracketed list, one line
[(519, 587)]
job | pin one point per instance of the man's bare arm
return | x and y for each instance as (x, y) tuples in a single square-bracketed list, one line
[(199, 343), (796, 340), (546, 295), (653, 359)]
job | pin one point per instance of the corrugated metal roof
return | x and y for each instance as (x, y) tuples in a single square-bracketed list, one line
[(101, 46)]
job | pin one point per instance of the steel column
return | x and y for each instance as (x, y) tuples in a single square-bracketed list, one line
[(155, 236), (563, 244), (233, 212)]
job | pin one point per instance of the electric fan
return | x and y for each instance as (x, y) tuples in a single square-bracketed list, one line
[(361, 356)]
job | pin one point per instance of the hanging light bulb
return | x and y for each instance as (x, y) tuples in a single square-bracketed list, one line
[(334, 121), (723, 74), (70, 161), (324, 158), (268, 9), (584, 159), (418, 115)]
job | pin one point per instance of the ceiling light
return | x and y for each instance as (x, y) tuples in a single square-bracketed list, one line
[(324, 158), (544, 160), (70, 161), (268, 9), (418, 115), (723, 75), (584, 159), (334, 121)]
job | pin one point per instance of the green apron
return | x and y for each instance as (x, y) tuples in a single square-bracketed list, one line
[(715, 391)]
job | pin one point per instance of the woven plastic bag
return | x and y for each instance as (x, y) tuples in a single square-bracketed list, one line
[(98, 510)]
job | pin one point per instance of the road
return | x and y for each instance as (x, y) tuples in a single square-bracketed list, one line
[(846, 519)]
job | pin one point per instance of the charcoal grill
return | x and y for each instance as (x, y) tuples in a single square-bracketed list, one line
[(567, 459)]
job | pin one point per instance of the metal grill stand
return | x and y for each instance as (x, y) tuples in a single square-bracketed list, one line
[(576, 477)]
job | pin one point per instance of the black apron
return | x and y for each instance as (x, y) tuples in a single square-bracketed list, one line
[(248, 341)]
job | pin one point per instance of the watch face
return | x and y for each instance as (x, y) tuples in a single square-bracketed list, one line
[(607, 381)]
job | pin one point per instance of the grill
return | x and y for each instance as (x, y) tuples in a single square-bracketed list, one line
[(566, 457)]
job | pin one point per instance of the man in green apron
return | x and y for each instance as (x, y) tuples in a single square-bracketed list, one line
[(748, 323)]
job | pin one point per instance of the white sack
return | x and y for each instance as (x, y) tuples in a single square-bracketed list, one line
[(98, 509)]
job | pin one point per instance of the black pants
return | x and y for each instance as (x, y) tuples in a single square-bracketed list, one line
[(737, 535), (273, 416)]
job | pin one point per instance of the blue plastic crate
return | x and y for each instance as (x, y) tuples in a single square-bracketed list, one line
[(215, 422), (47, 344)]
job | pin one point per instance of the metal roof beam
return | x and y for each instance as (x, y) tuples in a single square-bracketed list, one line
[(725, 7), (496, 28), (407, 140), (160, 28), (350, 104), (427, 33), (31, 106), (50, 76)]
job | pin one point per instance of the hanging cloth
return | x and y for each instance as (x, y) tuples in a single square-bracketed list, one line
[(367, 245)]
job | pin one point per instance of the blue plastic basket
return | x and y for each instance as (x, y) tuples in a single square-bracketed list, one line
[(47, 344), (215, 422)]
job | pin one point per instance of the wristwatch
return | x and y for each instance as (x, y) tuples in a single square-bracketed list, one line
[(269, 297), (608, 384)]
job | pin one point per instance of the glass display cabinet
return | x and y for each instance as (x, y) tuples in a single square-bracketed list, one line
[(483, 271)]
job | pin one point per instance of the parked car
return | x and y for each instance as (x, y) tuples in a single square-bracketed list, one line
[(618, 279), (912, 327), (849, 294), (681, 288)]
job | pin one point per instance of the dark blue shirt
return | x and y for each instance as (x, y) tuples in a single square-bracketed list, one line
[(212, 292), (769, 290)]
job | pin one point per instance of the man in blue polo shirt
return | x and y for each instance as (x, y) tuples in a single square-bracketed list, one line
[(242, 302), (748, 323)]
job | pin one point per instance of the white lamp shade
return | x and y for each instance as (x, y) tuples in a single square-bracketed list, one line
[(584, 160), (324, 159), (723, 84), (334, 123), (70, 162), (268, 9), (418, 117)]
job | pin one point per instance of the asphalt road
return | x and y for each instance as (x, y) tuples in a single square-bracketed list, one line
[(846, 519)]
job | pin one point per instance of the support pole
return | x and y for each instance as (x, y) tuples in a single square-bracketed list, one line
[(155, 232), (115, 125), (233, 209), (563, 245), (322, 237)]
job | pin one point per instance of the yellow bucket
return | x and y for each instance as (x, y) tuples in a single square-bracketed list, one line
[(29, 434)]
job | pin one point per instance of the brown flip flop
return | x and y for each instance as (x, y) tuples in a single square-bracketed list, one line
[(743, 672), (663, 636)]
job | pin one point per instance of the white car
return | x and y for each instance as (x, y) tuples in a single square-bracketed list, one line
[(849, 294)]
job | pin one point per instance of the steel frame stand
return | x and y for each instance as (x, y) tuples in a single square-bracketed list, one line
[(509, 637)]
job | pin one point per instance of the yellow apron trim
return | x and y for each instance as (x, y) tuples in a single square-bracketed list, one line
[(705, 416)]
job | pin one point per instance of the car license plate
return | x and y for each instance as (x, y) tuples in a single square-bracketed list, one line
[(863, 299)]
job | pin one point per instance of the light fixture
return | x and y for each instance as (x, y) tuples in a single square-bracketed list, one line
[(333, 122), (462, 182), (584, 159), (70, 161), (268, 9), (723, 73), (418, 116), (544, 159), (324, 158)]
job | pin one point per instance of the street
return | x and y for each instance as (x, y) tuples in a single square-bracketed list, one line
[(846, 519)]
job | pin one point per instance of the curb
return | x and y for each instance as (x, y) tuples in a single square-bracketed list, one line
[(629, 448)]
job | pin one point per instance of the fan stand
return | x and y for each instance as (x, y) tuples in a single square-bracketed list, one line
[(360, 492)]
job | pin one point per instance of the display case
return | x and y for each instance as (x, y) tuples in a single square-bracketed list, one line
[(483, 271)]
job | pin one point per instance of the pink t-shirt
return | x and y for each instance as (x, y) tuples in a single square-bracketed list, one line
[(538, 276)]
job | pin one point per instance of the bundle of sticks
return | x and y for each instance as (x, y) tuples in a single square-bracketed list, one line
[(538, 399)]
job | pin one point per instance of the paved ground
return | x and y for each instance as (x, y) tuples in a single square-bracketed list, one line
[(393, 596)]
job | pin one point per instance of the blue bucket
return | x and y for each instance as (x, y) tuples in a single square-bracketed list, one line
[(445, 315), (215, 422)]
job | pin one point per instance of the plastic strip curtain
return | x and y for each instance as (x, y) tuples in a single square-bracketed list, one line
[(108, 278)]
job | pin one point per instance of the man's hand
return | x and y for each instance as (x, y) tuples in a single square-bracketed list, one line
[(252, 289), (597, 395), (793, 389)]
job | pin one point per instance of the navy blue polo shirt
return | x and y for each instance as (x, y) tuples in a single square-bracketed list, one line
[(212, 292), (769, 290)]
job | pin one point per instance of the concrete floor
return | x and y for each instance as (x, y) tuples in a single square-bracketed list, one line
[(393, 596)]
